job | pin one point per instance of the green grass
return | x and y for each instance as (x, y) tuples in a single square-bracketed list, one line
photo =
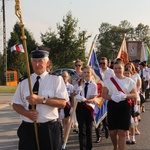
[(7, 89)]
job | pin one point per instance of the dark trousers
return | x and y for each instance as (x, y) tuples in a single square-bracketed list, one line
[(105, 127), (49, 136), (98, 131), (85, 124)]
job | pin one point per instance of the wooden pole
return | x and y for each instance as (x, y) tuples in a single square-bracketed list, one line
[(91, 49), (23, 37), (69, 125), (76, 102)]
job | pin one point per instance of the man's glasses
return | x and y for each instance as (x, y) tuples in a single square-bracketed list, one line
[(78, 65), (102, 63)]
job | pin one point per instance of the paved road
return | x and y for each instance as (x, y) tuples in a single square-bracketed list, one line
[(9, 122)]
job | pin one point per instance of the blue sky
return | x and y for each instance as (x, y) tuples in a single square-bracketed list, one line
[(39, 15)]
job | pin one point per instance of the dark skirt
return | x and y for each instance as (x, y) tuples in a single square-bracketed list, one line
[(119, 115)]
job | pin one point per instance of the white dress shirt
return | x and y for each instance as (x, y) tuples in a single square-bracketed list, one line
[(50, 86)]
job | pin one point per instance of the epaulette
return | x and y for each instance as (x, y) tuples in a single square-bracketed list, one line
[(22, 78)]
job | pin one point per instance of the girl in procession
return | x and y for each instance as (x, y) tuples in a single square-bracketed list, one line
[(117, 90), (86, 91)]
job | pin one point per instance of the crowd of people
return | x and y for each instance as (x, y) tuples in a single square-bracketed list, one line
[(125, 86)]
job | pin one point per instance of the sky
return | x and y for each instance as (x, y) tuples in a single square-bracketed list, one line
[(39, 15)]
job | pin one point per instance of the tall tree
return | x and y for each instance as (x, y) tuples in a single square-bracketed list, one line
[(110, 37), (16, 60), (142, 33), (67, 44)]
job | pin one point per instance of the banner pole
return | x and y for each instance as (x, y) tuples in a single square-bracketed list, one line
[(23, 37), (91, 49), (69, 125)]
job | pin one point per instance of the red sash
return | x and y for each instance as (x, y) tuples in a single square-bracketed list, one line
[(68, 106), (130, 101)]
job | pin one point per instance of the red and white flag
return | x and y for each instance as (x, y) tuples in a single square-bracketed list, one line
[(123, 54), (18, 48)]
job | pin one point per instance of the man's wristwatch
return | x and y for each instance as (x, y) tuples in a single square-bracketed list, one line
[(44, 101)]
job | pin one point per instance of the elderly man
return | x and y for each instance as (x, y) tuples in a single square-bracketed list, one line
[(49, 94)]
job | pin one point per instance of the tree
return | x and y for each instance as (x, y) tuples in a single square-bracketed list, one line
[(66, 45), (142, 33), (16, 60), (110, 37), (1, 69)]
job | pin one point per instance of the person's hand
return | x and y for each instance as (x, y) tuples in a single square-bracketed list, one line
[(118, 97), (80, 98), (123, 96), (32, 115), (71, 110), (79, 89), (61, 114), (136, 108), (34, 99)]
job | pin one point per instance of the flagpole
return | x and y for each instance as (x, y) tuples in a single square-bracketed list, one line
[(91, 49), (23, 37), (76, 102), (69, 125)]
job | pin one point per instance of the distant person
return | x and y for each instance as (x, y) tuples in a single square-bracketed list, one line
[(69, 106), (111, 64), (104, 69), (134, 121), (75, 78), (136, 64), (136, 77), (145, 78), (78, 70), (49, 94)]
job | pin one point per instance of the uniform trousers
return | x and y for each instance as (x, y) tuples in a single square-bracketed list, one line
[(49, 136), (85, 124)]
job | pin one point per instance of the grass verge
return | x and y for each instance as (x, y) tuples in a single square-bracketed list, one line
[(7, 89)]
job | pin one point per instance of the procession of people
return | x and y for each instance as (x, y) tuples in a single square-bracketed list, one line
[(52, 102)]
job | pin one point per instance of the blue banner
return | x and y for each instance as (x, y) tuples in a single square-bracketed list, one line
[(100, 112)]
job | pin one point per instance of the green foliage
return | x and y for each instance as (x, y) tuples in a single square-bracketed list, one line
[(67, 45), (16, 60), (1, 69), (110, 37)]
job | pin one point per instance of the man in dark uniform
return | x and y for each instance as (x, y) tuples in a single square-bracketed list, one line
[(50, 95)]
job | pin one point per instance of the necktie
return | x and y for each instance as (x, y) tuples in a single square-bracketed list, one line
[(141, 73), (35, 89), (85, 89)]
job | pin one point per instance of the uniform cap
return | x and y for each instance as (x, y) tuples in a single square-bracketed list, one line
[(142, 64), (39, 53)]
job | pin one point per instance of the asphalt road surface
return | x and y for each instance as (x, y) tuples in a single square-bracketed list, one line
[(9, 122)]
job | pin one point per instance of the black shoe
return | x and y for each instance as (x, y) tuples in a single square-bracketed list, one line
[(75, 130), (133, 142), (128, 142), (98, 140)]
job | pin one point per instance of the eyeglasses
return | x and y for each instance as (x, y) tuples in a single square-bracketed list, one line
[(102, 63), (78, 65)]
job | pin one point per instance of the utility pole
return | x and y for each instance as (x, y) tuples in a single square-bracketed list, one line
[(4, 42)]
